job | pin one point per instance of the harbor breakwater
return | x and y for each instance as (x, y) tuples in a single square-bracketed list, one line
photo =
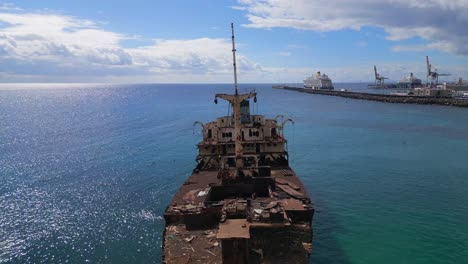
[(387, 98)]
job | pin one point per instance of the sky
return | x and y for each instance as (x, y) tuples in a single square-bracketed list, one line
[(278, 41)]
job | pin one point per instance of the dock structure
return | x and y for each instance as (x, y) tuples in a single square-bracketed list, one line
[(387, 98)]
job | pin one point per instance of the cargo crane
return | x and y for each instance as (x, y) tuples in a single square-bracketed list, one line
[(379, 80), (433, 75)]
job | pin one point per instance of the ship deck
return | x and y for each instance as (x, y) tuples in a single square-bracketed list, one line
[(204, 215)]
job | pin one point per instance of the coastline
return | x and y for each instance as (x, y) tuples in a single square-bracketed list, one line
[(386, 98)]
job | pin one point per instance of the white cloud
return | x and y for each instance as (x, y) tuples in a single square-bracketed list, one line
[(203, 55), (361, 44), (56, 40), (442, 22), (9, 7), (50, 47), (238, 7), (296, 46), (284, 53), (36, 46)]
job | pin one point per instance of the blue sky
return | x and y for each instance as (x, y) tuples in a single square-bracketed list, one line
[(189, 41)]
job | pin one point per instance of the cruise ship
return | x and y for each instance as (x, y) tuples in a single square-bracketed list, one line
[(318, 82), (410, 82)]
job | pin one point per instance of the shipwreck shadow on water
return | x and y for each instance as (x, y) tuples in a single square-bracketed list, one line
[(326, 247)]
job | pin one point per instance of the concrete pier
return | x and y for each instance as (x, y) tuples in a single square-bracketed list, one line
[(387, 98)]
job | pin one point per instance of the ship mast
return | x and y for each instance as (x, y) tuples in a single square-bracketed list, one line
[(235, 101), (234, 58)]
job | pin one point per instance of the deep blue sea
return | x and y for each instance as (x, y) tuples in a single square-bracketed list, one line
[(86, 173)]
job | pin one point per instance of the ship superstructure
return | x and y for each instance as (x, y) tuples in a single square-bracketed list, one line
[(318, 82), (242, 203), (410, 82)]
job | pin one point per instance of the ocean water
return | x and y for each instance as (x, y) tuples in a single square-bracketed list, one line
[(86, 173)]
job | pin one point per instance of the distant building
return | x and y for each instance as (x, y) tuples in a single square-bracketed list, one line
[(436, 92)]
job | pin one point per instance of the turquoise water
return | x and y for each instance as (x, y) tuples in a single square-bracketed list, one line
[(85, 174)]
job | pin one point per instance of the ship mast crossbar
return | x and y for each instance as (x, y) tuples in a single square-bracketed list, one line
[(235, 101)]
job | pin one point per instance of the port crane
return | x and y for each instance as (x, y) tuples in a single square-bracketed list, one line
[(379, 79), (433, 75)]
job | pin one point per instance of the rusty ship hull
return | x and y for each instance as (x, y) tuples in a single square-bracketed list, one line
[(243, 203), (253, 229)]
